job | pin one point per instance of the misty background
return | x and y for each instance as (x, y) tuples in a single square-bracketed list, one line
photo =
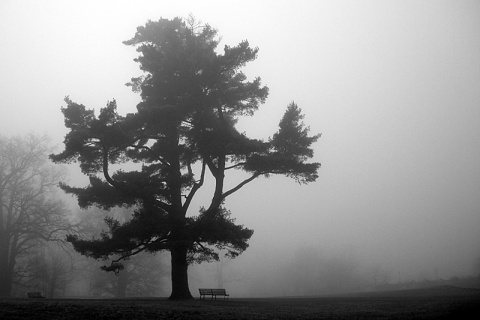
[(393, 86)]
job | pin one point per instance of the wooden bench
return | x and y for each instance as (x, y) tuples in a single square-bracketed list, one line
[(214, 293), (35, 295)]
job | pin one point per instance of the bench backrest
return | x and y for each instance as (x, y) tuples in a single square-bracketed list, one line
[(219, 291), (205, 291), (213, 291), (34, 295)]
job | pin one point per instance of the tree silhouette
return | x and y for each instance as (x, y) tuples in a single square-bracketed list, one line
[(184, 128)]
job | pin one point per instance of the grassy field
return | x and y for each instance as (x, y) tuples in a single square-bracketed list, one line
[(434, 303)]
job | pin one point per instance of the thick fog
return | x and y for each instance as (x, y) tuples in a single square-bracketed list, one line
[(392, 86)]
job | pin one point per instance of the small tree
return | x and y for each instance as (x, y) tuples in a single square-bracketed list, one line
[(184, 127), (29, 211)]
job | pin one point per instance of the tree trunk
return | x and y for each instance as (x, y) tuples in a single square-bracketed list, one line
[(51, 289), (5, 284), (6, 273), (122, 284), (5, 277), (180, 290), (220, 274)]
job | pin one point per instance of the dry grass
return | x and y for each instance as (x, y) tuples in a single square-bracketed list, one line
[(435, 303)]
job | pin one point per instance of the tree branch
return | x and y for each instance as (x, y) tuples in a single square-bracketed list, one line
[(236, 165), (195, 188), (105, 170), (163, 161), (240, 185), (213, 169)]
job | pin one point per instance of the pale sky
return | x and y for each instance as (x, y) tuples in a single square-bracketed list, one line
[(393, 86)]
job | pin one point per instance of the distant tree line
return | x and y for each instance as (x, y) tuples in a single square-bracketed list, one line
[(309, 273)]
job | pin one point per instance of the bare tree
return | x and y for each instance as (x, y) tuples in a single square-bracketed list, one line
[(29, 211), (47, 269)]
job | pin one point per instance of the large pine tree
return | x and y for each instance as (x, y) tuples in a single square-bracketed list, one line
[(183, 129)]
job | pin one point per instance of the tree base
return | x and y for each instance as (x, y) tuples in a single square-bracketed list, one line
[(184, 296)]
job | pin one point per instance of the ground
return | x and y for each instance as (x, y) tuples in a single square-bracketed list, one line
[(435, 303)]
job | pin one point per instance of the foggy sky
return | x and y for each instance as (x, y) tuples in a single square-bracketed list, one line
[(393, 86)]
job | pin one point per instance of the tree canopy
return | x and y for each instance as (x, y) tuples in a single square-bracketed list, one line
[(184, 128)]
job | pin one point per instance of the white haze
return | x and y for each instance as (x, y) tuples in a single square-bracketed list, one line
[(393, 86)]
